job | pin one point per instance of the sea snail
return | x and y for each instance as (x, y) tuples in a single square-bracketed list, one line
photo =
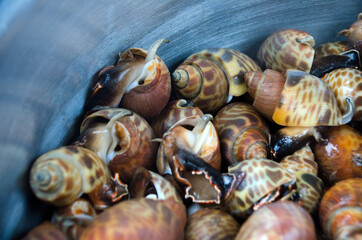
[(296, 99), (211, 77), (242, 132), (354, 32), (139, 82)]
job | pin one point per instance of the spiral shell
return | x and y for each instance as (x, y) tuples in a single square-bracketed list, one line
[(139, 219), (265, 181), (173, 112), (346, 82), (210, 77), (242, 132), (45, 231), (74, 218), (340, 212), (279, 220), (287, 49), (303, 100), (301, 160), (62, 175), (121, 138), (330, 48), (339, 156), (140, 82), (211, 224)]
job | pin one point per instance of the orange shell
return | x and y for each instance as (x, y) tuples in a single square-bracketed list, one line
[(45, 231)]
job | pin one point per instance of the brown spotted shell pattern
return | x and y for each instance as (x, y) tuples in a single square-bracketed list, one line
[(346, 82), (121, 138), (242, 132), (279, 220), (139, 219), (287, 49), (263, 183), (330, 48), (211, 77), (60, 176)]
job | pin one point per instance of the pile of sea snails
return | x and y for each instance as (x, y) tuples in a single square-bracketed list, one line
[(199, 163)]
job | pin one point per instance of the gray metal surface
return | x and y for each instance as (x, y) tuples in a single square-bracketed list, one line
[(50, 50)]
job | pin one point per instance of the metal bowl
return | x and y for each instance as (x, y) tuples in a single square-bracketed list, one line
[(50, 50)]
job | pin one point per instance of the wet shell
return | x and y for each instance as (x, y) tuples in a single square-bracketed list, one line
[(211, 224), (265, 181), (121, 138), (280, 220), (139, 219), (287, 49), (45, 231), (171, 114), (339, 156), (140, 82), (242, 132), (211, 77), (73, 218), (346, 82), (340, 211), (62, 175), (330, 48)]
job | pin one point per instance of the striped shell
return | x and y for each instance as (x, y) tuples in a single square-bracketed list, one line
[(242, 132), (121, 138), (139, 82), (62, 175), (330, 48), (211, 224), (262, 177), (139, 219), (210, 77), (301, 160), (287, 49), (278, 221), (346, 82), (340, 211)]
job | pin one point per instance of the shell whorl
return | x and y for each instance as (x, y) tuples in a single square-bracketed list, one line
[(62, 175)]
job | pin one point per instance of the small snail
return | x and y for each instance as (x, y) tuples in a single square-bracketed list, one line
[(60, 176), (139, 219), (173, 112), (299, 99), (211, 224), (242, 132), (354, 32), (45, 231), (301, 160), (346, 82), (265, 181), (279, 220), (121, 138), (330, 48), (211, 77), (72, 219), (340, 211), (287, 49), (139, 82)]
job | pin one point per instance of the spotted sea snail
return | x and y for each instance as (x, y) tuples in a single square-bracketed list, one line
[(242, 132), (287, 49), (330, 48), (139, 219), (340, 212), (211, 77), (279, 220), (121, 138), (140, 82), (296, 99)]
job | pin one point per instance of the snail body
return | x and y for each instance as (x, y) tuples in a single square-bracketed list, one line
[(121, 138), (60, 176), (140, 82), (211, 77), (340, 212), (287, 49), (300, 99), (242, 132)]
